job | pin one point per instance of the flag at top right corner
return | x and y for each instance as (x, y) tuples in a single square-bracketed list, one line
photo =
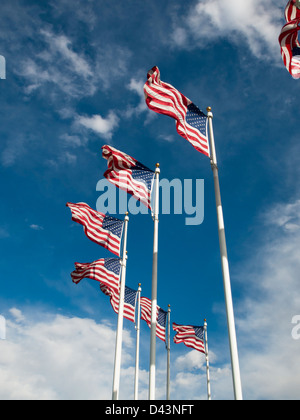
[(163, 98), (288, 39)]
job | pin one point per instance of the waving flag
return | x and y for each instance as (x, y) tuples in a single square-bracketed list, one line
[(288, 39), (163, 98), (160, 317), (105, 270), (190, 335), (292, 10), (129, 300), (161, 324), (128, 174), (104, 230), (290, 50)]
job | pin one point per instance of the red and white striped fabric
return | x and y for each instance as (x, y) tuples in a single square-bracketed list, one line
[(146, 316), (290, 50), (292, 10), (105, 270), (129, 300), (190, 335), (99, 228), (128, 174), (163, 98)]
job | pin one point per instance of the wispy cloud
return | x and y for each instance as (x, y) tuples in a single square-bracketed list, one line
[(254, 25), (4, 233), (36, 227), (57, 64), (61, 46), (104, 127), (137, 87), (12, 151), (271, 281)]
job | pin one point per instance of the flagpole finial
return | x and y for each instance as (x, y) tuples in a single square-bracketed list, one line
[(157, 169), (208, 109), (126, 219)]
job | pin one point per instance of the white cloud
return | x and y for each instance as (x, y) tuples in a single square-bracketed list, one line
[(60, 357), (191, 360), (56, 357), (58, 64), (12, 151), (72, 140), (270, 357), (167, 137), (61, 46), (17, 314), (137, 86), (61, 63), (104, 127), (285, 216), (253, 25), (36, 227)]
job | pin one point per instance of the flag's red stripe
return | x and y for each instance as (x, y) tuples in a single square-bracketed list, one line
[(92, 225)]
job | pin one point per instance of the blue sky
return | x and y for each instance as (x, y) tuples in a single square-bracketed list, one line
[(74, 82)]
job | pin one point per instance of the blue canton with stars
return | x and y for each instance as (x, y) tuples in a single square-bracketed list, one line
[(113, 264), (142, 173), (199, 332), (114, 225), (196, 118), (130, 296), (162, 317)]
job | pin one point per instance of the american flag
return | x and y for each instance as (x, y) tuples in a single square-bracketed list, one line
[(163, 98), (105, 270), (190, 335), (128, 174), (290, 50), (292, 10), (160, 317), (129, 300), (161, 324), (104, 230)]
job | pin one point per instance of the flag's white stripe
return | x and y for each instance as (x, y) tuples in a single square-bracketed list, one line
[(104, 237), (98, 273)]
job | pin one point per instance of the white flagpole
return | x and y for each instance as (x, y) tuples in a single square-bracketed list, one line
[(137, 353), (119, 335), (225, 269), (154, 290), (207, 361), (168, 352)]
